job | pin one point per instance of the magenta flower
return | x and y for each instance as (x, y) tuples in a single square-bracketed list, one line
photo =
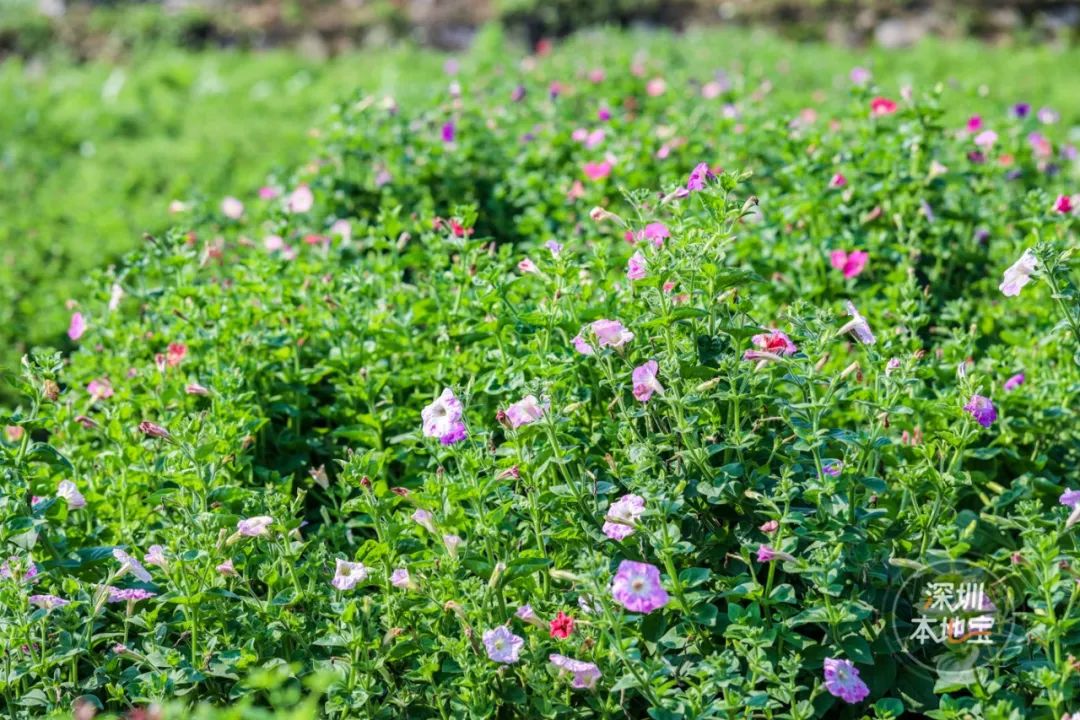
[(882, 106), (348, 574), (892, 366), (448, 131), (611, 333), (442, 416), (636, 586), (77, 326), (851, 264), (842, 681), (597, 171), (699, 176), (974, 124), (99, 389), (585, 673), (858, 325), (502, 645), (48, 602), (130, 564), (656, 233), (525, 411), (458, 432), (129, 594), (982, 409), (837, 181), (300, 200), (1014, 382), (257, 526), (232, 208), (645, 382), (775, 342), (69, 491), (1063, 204), (622, 516), (635, 267), (581, 345), (1019, 274)]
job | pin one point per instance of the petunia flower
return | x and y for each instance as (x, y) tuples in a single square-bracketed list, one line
[(502, 645), (842, 681), (155, 555), (257, 526), (196, 389), (769, 526), (892, 366), (636, 586), (622, 516), (525, 613), (232, 208), (442, 415), (400, 578), (857, 325), (425, 519), (1014, 382), (1019, 274), (645, 382), (300, 200), (47, 602), (24, 568), (774, 341), (767, 554), (1070, 498), (982, 409), (69, 491), (1062, 204), (837, 181), (77, 326), (348, 574), (597, 171), (130, 564), (882, 106), (859, 76), (457, 433), (582, 345), (554, 247), (562, 626), (226, 568), (451, 543), (700, 175), (175, 354), (99, 389), (850, 264), (986, 139), (129, 594), (116, 294), (586, 674), (448, 132), (153, 430), (635, 267), (656, 233), (611, 333), (525, 411)]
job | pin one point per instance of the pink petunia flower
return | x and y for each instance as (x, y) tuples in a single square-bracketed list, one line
[(581, 345), (77, 326), (857, 325), (425, 519), (645, 382), (155, 555), (635, 267), (232, 208), (129, 594), (99, 389), (837, 181), (502, 645), (859, 76), (226, 568), (562, 626), (300, 200), (175, 354), (774, 341), (611, 333), (851, 264), (196, 389), (257, 526), (116, 294), (528, 266), (766, 554), (842, 681), (442, 416), (400, 578), (1014, 382), (699, 176), (656, 233), (986, 139), (882, 106), (637, 587), (348, 574), (1063, 204), (525, 411), (597, 171), (586, 674), (656, 87), (1019, 274), (622, 516)]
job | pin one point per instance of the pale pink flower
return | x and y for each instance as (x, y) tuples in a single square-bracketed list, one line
[(425, 519), (528, 266), (442, 416), (348, 574), (400, 579), (155, 555), (71, 495), (622, 516), (611, 333), (116, 294), (77, 326), (99, 389), (196, 389), (597, 171), (257, 526), (300, 200), (451, 543), (585, 674), (635, 267), (1019, 274), (525, 411), (226, 568), (986, 139), (656, 87), (232, 208), (130, 564), (645, 382), (581, 345)]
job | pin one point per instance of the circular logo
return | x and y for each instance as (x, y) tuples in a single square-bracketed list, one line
[(952, 616)]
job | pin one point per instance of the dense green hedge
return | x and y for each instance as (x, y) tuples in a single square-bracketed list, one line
[(246, 409)]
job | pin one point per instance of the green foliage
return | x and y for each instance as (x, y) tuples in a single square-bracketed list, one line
[(255, 417)]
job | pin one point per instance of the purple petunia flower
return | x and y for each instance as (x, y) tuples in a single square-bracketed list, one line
[(129, 594), (982, 409), (155, 555), (1014, 382), (635, 267), (48, 602), (255, 526), (622, 516), (71, 495), (1070, 498), (636, 586), (457, 433), (502, 645), (130, 564), (645, 382), (842, 681), (699, 176), (611, 333), (400, 578), (13, 565), (443, 416), (858, 325), (585, 673), (1021, 110), (448, 130)]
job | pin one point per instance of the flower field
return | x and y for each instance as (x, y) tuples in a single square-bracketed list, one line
[(619, 379)]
